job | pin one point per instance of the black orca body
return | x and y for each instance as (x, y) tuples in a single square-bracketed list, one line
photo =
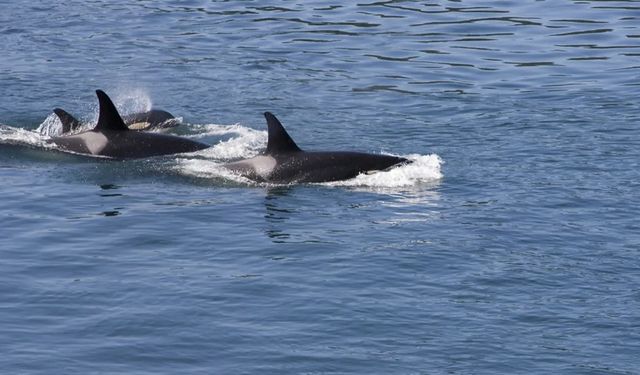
[(69, 123), (112, 138), (285, 162), (149, 120)]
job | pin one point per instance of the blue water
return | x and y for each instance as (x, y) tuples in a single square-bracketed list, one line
[(510, 246)]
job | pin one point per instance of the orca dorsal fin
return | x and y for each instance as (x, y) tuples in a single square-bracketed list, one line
[(279, 140), (69, 123), (109, 118)]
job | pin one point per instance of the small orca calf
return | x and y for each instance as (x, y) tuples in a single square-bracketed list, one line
[(112, 138), (285, 162), (149, 120)]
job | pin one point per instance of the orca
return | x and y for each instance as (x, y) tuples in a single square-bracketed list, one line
[(284, 162), (153, 119), (69, 123), (113, 139), (150, 120)]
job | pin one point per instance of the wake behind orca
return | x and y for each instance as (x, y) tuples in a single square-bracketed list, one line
[(285, 162), (112, 138)]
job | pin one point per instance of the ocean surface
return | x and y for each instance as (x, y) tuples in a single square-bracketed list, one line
[(510, 246)]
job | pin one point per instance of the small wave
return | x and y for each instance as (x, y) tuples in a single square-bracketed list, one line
[(208, 169), (247, 143), (424, 168), (18, 136), (50, 126)]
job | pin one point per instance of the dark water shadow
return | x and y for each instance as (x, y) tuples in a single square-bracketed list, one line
[(276, 214), (106, 188)]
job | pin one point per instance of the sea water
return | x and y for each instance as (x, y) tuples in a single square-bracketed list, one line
[(510, 245)]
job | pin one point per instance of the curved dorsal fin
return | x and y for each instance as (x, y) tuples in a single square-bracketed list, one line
[(109, 118), (69, 123), (279, 141)]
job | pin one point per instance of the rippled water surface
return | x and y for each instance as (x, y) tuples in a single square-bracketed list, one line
[(510, 245)]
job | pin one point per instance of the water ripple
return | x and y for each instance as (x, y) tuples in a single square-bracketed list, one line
[(515, 253)]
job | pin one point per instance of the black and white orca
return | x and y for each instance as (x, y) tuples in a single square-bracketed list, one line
[(112, 138), (285, 162)]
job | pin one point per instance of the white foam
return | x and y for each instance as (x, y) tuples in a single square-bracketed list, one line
[(246, 144), (19, 136), (423, 169), (50, 126), (204, 130), (208, 169)]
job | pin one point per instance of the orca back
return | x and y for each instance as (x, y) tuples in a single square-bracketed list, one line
[(112, 138)]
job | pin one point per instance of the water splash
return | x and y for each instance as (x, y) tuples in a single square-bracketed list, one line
[(208, 169), (244, 143), (18, 136), (51, 126), (131, 100), (247, 144), (422, 169)]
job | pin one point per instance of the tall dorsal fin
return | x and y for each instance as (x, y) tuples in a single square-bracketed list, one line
[(109, 118), (279, 141), (69, 123)]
